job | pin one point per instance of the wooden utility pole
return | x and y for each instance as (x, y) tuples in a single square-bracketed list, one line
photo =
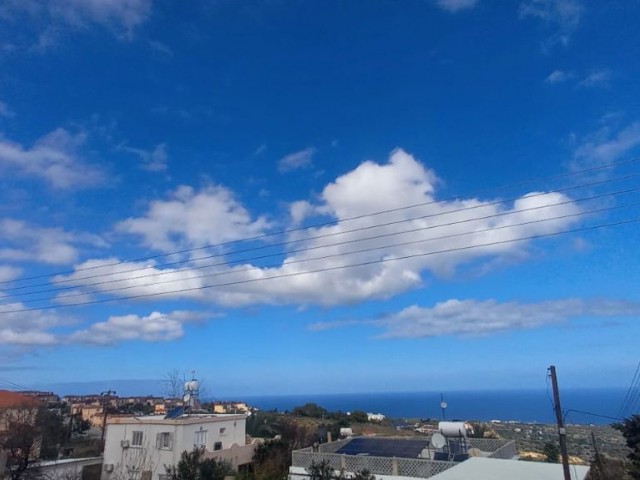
[(105, 412), (598, 459), (561, 431)]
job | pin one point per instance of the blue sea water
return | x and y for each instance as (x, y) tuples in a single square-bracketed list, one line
[(505, 405)]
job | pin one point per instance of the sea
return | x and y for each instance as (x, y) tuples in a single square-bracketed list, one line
[(580, 406)]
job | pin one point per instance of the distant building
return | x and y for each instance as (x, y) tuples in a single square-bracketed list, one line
[(375, 417), (139, 448)]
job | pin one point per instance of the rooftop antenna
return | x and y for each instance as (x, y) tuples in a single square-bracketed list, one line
[(443, 406)]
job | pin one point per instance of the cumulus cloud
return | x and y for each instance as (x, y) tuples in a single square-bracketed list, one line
[(194, 218), (152, 160), (562, 16), (55, 158), (297, 160), (474, 317), (605, 146), (26, 328), (356, 257), (155, 327), (21, 241), (456, 5)]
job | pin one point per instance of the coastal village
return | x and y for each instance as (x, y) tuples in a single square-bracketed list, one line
[(108, 437)]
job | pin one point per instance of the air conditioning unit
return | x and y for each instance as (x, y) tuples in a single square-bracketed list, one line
[(124, 443), (108, 467)]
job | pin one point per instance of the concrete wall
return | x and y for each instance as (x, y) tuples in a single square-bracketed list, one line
[(130, 462)]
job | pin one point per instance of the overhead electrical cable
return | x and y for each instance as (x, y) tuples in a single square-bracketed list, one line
[(321, 236), (325, 257), (633, 387), (326, 269), (357, 217)]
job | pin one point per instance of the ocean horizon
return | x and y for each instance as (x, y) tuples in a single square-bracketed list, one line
[(581, 406)]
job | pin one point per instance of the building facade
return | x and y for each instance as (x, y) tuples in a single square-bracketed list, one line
[(141, 448)]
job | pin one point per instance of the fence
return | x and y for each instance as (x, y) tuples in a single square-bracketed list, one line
[(396, 466)]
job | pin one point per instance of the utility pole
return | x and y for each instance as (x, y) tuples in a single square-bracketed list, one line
[(105, 411), (598, 459), (561, 431)]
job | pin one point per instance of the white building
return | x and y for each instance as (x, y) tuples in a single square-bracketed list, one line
[(140, 448)]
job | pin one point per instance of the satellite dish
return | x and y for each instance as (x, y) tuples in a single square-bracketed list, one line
[(443, 405), (438, 440)]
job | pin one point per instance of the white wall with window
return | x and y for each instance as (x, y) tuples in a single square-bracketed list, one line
[(137, 448)]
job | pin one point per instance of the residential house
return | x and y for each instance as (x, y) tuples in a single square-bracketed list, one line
[(140, 448)]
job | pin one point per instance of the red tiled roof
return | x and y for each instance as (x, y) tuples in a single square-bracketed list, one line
[(12, 399)]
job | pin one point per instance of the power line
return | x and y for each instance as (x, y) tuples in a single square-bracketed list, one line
[(629, 395), (324, 257), (308, 239), (357, 217), (326, 269)]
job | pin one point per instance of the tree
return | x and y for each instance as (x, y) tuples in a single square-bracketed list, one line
[(551, 452), (606, 468), (321, 471), (193, 466), (21, 441), (358, 416), (630, 429), (309, 410), (174, 384)]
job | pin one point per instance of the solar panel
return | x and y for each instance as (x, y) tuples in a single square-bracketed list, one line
[(174, 413), (384, 447)]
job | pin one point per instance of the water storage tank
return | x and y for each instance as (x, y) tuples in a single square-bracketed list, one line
[(191, 386), (453, 429)]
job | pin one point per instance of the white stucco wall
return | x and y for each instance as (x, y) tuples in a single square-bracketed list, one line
[(130, 462)]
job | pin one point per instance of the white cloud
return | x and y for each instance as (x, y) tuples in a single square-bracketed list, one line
[(20, 241), (563, 16), (597, 78), (155, 327), (5, 111), (188, 220), (152, 160), (296, 160), (26, 328), (559, 76), (456, 5), (606, 146), (474, 317), (8, 273), (54, 158), (123, 16), (193, 218)]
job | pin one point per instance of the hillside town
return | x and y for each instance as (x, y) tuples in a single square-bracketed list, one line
[(108, 437)]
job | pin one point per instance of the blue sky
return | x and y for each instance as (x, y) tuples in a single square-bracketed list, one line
[(308, 197)]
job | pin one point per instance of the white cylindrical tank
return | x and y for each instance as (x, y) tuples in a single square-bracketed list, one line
[(453, 429), (191, 386)]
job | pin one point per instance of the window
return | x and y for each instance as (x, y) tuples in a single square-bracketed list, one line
[(164, 441), (222, 430), (200, 439), (136, 440), (217, 446)]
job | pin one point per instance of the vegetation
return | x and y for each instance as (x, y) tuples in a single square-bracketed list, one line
[(551, 452), (323, 471), (192, 466), (630, 429)]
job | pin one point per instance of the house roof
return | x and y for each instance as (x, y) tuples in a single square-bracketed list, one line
[(11, 399), (479, 468)]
